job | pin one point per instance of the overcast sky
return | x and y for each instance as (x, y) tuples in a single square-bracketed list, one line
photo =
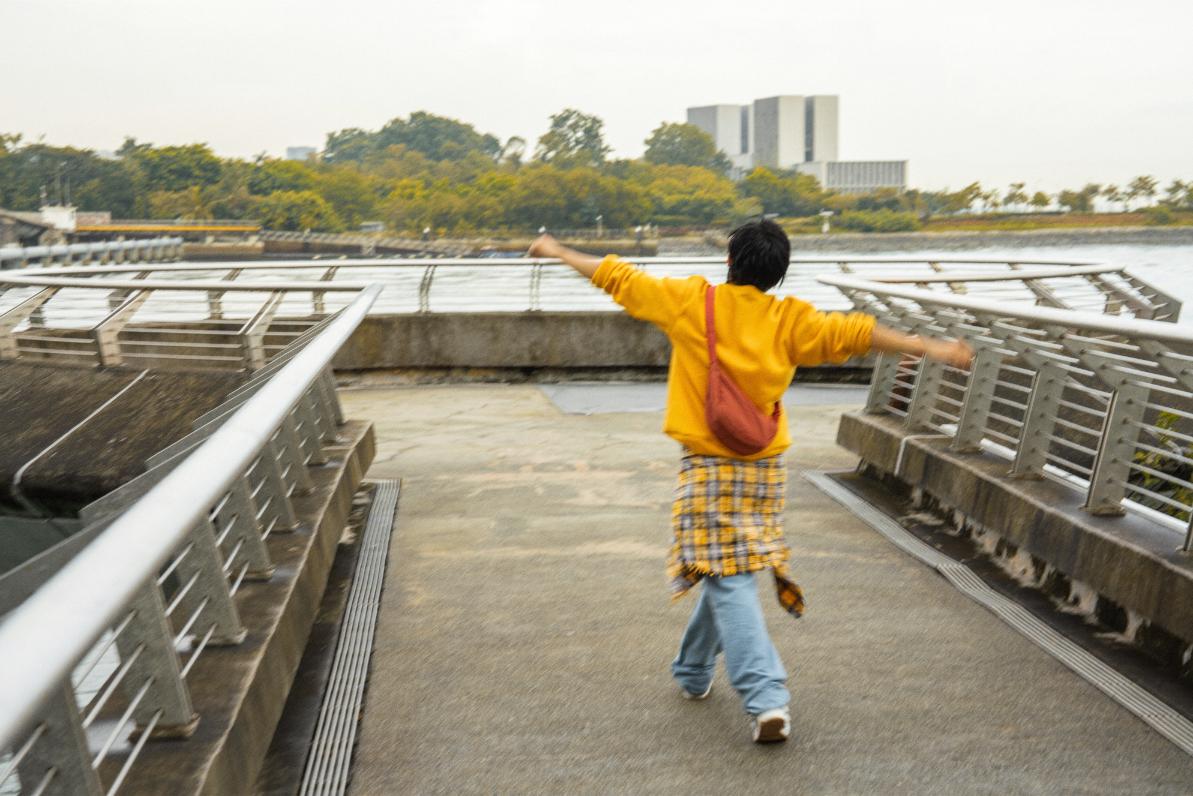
[(1054, 92)]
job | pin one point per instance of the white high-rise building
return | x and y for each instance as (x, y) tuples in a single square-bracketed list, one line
[(793, 132), (820, 127), (729, 126), (779, 134)]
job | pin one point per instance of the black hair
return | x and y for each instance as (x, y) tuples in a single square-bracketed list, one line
[(759, 252)]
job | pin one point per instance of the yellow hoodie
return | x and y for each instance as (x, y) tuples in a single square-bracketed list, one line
[(761, 340)]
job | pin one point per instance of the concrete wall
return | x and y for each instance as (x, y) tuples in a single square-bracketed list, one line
[(1130, 562), (504, 340)]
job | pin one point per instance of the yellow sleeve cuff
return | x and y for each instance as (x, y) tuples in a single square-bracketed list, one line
[(600, 277)]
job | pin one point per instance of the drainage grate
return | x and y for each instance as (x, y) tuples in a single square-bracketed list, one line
[(330, 755), (1153, 711)]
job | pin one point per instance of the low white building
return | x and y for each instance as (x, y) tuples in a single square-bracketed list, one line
[(857, 176)]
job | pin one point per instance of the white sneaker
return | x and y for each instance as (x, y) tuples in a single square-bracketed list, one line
[(689, 695), (772, 726)]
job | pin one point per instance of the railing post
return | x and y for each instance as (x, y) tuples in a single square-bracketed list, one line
[(148, 643), (210, 592), (10, 320), (59, 762), (882, 382), (331, 398), (1112, 465), (1035, 437), (252, 334), (300, 478), (929, 375), (277, 493), (424, 289), (975, 406), (106, 333), (236, 521)]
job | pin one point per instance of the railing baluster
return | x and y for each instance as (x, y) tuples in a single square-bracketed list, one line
[(148, 642), (1038, 422), (929, 375), (61, 753), (1116, 446), (240, 512), (975, 406), (882, 382), (275, 487), (211, 592)]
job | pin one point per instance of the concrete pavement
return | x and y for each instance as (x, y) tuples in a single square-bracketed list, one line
[(525, 632)]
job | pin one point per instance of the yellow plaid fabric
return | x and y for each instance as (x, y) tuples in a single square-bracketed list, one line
[(728, 520)]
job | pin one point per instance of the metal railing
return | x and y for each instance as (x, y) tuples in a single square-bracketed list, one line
[(117, 251), (59, 316), (97, 655), (521, 285), (1102, 403)]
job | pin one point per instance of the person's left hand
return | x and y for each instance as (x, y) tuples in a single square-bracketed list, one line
[(544, 246)]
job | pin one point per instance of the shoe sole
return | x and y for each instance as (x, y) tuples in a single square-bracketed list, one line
[(771, 731)]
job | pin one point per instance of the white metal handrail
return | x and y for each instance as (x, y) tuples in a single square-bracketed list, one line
[(277, 419), (519, 284), (162, 248), (1101, 402)]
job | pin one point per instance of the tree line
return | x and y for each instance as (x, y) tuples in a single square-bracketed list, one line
[(433, 171)]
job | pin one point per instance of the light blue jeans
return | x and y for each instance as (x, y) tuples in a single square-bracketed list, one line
[(728, 618)]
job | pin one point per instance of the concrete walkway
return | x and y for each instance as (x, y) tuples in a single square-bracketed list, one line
[(526, 631)]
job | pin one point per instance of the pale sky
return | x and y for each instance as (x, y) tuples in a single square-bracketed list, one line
[(1054, 92)]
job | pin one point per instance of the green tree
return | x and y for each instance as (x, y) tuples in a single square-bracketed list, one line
[(787, 195), (574, 139), (1081, 201), (674, 144), (513, 151), (1040, 200), (279, 175), (189, 203), (176, 168), (1142, 187), (1175, 192), (354, 196), (964, 199), (436, 137), (88, 181), (1113, 194), (297, 211), (1015, 196)]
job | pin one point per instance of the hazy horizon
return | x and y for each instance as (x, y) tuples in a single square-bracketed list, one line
[(1055, 95)]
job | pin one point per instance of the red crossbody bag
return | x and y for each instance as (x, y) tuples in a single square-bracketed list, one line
[(731, 415)]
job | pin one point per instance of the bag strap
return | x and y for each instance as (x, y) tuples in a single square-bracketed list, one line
[(710, 324)]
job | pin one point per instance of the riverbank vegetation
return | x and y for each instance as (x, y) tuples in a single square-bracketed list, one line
[(429, 172)]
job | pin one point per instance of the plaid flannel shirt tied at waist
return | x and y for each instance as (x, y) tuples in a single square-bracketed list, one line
[(728, 520)]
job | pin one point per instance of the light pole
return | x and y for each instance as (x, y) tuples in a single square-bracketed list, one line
[(825, 215)]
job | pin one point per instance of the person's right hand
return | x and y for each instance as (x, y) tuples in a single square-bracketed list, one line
[(952, 352), (544, 246)]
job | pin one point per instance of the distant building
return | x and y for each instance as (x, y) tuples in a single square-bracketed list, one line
[(857, 176), (300, 152), (24, 229), (794, 132), (729, 126)]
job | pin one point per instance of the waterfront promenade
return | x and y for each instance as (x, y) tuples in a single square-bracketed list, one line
[(525, 628)]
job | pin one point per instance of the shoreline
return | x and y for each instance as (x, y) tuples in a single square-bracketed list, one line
[(855, 242)]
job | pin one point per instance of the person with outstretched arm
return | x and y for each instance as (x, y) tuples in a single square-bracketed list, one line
[(734, 351)]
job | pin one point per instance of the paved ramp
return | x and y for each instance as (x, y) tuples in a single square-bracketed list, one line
[(526, 631)]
